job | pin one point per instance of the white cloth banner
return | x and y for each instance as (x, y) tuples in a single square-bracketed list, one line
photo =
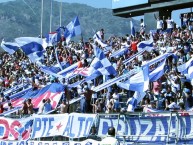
[(72, 125)]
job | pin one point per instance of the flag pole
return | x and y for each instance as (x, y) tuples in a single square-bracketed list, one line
[(56, 53), (51, 16), (60, 13), (42, 17)]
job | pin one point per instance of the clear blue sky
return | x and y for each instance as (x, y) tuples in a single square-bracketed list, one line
[(108, 4)]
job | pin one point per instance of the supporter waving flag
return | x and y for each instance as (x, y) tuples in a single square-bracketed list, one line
[(147, 45), (33, 47), (101, 65), (72, 29), (139, 82), (97, 38), (52, 38), (9, 47)]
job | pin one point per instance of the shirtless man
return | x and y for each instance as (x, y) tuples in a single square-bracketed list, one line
[(30, 106), (64, 107)]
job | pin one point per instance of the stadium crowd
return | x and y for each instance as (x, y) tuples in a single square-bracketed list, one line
[(173, 91)]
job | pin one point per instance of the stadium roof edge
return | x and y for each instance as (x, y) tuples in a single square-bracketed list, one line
[(152, 7)]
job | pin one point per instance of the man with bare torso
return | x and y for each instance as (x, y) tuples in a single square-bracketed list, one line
[(64, 107)]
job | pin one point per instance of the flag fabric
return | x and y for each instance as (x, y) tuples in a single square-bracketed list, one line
[(187, 69), (52, 70), (60, 28), (15, 88), (52, 38), (69, 69), (132, 28), (184, 67), (58, 62), (9, 112), (132, 104), (97, 38), (20, 94), (157, 72), (78, 71), (120, 52), (72, 29), (139, 82), (107, 49), (147, 45), (81, 71), (134, 100), (190, 72), (114, 80), (157, 59), (101, 65), (52, 91), (33, 47), (9, 47), (133, 57)]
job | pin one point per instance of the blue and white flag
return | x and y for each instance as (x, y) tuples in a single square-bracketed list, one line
[(97, 38), (53, 69), (133, 101), (9, 47), (157, 59), (157, 72), (72, 29), (101, 65), (52, 38), (120, 52), (113, 81), (67, 70), (138, 82), (132, 28), (184, 67), (147, 45), (133, 57), (107, 49), (33, 47), (187, 69), (190, 72), (60, 28)]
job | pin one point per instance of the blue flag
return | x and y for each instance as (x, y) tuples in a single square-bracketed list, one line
[(9, 47), (33, 47), (101, 65), (72, 29), (145, 45)]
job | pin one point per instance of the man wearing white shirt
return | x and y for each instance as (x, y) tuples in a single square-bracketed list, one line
[(159, 24), (110, 139), (170, 25)]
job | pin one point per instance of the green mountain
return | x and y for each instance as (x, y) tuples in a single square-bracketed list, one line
[(22, 19)]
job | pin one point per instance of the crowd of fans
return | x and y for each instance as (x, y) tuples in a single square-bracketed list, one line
[(173, 91)]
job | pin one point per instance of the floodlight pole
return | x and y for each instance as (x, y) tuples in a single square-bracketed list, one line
[(42, 17), (61, 14), (51, 16)]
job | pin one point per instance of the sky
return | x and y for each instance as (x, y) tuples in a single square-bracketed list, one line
[(108, 4)]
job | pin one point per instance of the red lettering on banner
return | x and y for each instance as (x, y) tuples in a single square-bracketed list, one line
[(12, 129), (6, 126)]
